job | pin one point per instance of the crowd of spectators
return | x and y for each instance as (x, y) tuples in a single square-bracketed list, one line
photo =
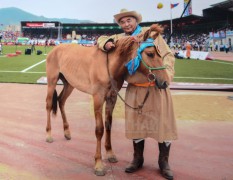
[(199, 41), (9, 36)]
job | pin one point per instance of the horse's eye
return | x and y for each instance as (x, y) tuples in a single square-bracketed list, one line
[(151, 55)]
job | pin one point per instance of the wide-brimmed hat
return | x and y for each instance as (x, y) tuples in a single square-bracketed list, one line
[(125, 12)]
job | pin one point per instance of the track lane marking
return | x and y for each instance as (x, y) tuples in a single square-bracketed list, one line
[(25, 70)]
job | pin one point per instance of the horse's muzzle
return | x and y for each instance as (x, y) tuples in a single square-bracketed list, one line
[(161, 85)]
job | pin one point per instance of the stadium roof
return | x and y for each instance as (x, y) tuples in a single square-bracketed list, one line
[(228, 5), (222, 11), (187, 19)]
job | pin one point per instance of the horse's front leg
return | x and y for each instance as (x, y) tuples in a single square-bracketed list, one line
[(110, 104), (99, 131)]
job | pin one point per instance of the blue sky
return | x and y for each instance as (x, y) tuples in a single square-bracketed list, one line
[(102, 11)]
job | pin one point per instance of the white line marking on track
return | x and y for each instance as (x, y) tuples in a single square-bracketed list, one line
[(223, 63), (33, 66), (201, 78), (229, 79), (22, 72)]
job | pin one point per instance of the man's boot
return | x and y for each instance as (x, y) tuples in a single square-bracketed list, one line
[(138, 159), (163, 160)]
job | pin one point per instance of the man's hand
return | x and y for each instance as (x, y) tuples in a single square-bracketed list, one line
[(109, 45)]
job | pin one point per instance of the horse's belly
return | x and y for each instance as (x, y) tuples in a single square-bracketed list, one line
[(78, 83), (77, 76)]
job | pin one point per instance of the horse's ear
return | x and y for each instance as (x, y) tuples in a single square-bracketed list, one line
[(153, 32), (157, 27), (146, 35)]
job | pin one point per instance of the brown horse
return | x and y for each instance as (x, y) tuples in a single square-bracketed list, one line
[(92, 71)]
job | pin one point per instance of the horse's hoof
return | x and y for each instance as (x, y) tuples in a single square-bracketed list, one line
[(49, 139), (68, 137), (112, 160), (99, 173)]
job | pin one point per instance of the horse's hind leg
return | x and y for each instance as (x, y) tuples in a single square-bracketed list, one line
[(51, 102), (65, 93), (110, 104)]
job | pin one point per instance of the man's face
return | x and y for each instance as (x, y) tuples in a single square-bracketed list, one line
[(128, 24)]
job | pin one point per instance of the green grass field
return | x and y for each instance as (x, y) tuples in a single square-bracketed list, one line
[(29, 68)]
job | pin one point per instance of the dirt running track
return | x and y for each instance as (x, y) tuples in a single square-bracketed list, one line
[(204, 150)]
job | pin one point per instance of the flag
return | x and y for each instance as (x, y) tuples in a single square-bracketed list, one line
[(174, 5)]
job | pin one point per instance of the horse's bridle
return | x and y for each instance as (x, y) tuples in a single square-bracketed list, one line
[(151, 77)]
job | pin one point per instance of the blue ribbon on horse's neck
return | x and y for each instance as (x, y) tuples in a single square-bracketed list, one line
[(133, 64)]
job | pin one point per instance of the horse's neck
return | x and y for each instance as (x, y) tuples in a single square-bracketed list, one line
[(116, 65)]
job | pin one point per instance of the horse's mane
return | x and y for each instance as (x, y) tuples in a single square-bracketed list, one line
[(125, 45)]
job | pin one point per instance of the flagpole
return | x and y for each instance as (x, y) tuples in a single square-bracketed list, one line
[(171, 24)]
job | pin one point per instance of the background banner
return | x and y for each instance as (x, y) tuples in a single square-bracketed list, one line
[(188, 11)]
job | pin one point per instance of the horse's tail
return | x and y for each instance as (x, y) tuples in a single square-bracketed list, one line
[(54, 102), (55, 97)]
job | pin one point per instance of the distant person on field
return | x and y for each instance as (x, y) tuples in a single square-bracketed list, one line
[(216, 46), (180, 54), (33, 48), (0, 48), (211, 47), (227, 48), (1, 36), (46, 43), (188, 50)]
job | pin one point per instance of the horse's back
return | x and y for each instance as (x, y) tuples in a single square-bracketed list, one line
[(68, 52), (82, 66)]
